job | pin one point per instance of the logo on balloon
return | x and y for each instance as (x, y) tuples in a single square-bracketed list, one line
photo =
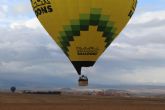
[(132, 8), (87, 50), (42, 7)]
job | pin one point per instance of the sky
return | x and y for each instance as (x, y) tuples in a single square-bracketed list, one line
[(29, 58)]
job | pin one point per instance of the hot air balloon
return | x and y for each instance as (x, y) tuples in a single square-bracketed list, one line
[(83, 29), (13, 89)]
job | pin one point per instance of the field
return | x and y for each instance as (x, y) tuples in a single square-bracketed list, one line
[(10, 101)]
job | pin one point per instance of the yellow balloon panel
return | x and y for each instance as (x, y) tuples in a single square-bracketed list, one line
[(84, 28)]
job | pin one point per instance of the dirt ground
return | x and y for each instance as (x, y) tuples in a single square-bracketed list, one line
[(10, 101)]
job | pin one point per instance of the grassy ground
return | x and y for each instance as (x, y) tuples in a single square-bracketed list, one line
[(51, 102)]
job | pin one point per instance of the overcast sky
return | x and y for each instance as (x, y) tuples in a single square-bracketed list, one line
[(29, 57)]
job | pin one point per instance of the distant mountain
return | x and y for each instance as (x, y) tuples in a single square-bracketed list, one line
[(41, 82)]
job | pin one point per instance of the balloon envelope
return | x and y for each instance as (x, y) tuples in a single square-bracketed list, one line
[(83, 28)]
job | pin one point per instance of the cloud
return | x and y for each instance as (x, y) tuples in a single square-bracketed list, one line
[(30, 24), (147, 17), (27, 48), (147, 28), (150, 76), (3, 9)]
